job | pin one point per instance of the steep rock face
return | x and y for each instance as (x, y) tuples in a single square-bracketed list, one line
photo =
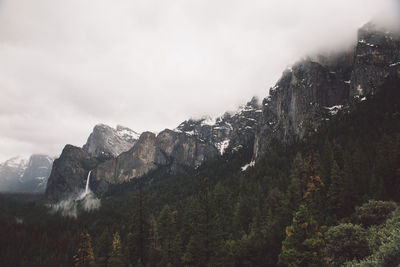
[(11, 172), (228, 132), (168, 148), (107, 142), (377, 57), (36, 173), (314, 89), (133, 163), (298, 102), (171, 149), (180, 149), (69, 173), (25, 175)]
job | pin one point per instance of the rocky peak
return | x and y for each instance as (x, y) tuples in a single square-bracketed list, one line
[(377, 56), (18, 162), (106, 141), (317, 87), (127, 134), (299, 101), (227, 132)]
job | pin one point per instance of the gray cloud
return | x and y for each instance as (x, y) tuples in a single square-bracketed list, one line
[(67, 65)]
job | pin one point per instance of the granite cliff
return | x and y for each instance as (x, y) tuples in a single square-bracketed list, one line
[(316, 88), (106, 141)]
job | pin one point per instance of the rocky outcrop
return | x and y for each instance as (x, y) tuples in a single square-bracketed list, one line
[(107, 142), (315, 88), (36, 173), (299, 102), (377, 56), (169, 148), (187, 146), (228, 132), (69, 173)]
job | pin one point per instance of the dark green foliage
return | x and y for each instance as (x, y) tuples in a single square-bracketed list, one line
[(374, 212), (169, 237), (346, 242), (384, 241), (103, 249), (303, 243), (335, 192)]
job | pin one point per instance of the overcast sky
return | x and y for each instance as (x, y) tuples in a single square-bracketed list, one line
[(150, 64)]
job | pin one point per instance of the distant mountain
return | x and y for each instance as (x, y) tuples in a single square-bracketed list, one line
[(19, 174)]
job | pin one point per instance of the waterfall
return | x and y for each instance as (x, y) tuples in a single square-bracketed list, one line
[(87, 183), (85, 201), (87, 189)]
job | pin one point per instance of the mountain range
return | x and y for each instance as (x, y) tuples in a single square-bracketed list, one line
[(306, 96)]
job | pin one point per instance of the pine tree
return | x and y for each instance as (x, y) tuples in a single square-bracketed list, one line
[(103, 248), (327, 158), (350, 196), (202, 243), (313, 188), (167, 229), (138, 238), (84, 255), (116, 258), (335, 192), (303, 243), (377, 187)]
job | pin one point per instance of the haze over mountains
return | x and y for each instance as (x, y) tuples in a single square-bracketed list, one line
[(19, 174)]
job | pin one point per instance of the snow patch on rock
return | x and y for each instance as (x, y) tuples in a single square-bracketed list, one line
[(222, 146), (334, 109)]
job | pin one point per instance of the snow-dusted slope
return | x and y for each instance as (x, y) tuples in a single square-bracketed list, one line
[(228, 132), (106, 141), (20, 174), (11, 172)]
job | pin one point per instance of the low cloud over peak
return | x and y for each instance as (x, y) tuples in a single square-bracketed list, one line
[(68, 65)]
